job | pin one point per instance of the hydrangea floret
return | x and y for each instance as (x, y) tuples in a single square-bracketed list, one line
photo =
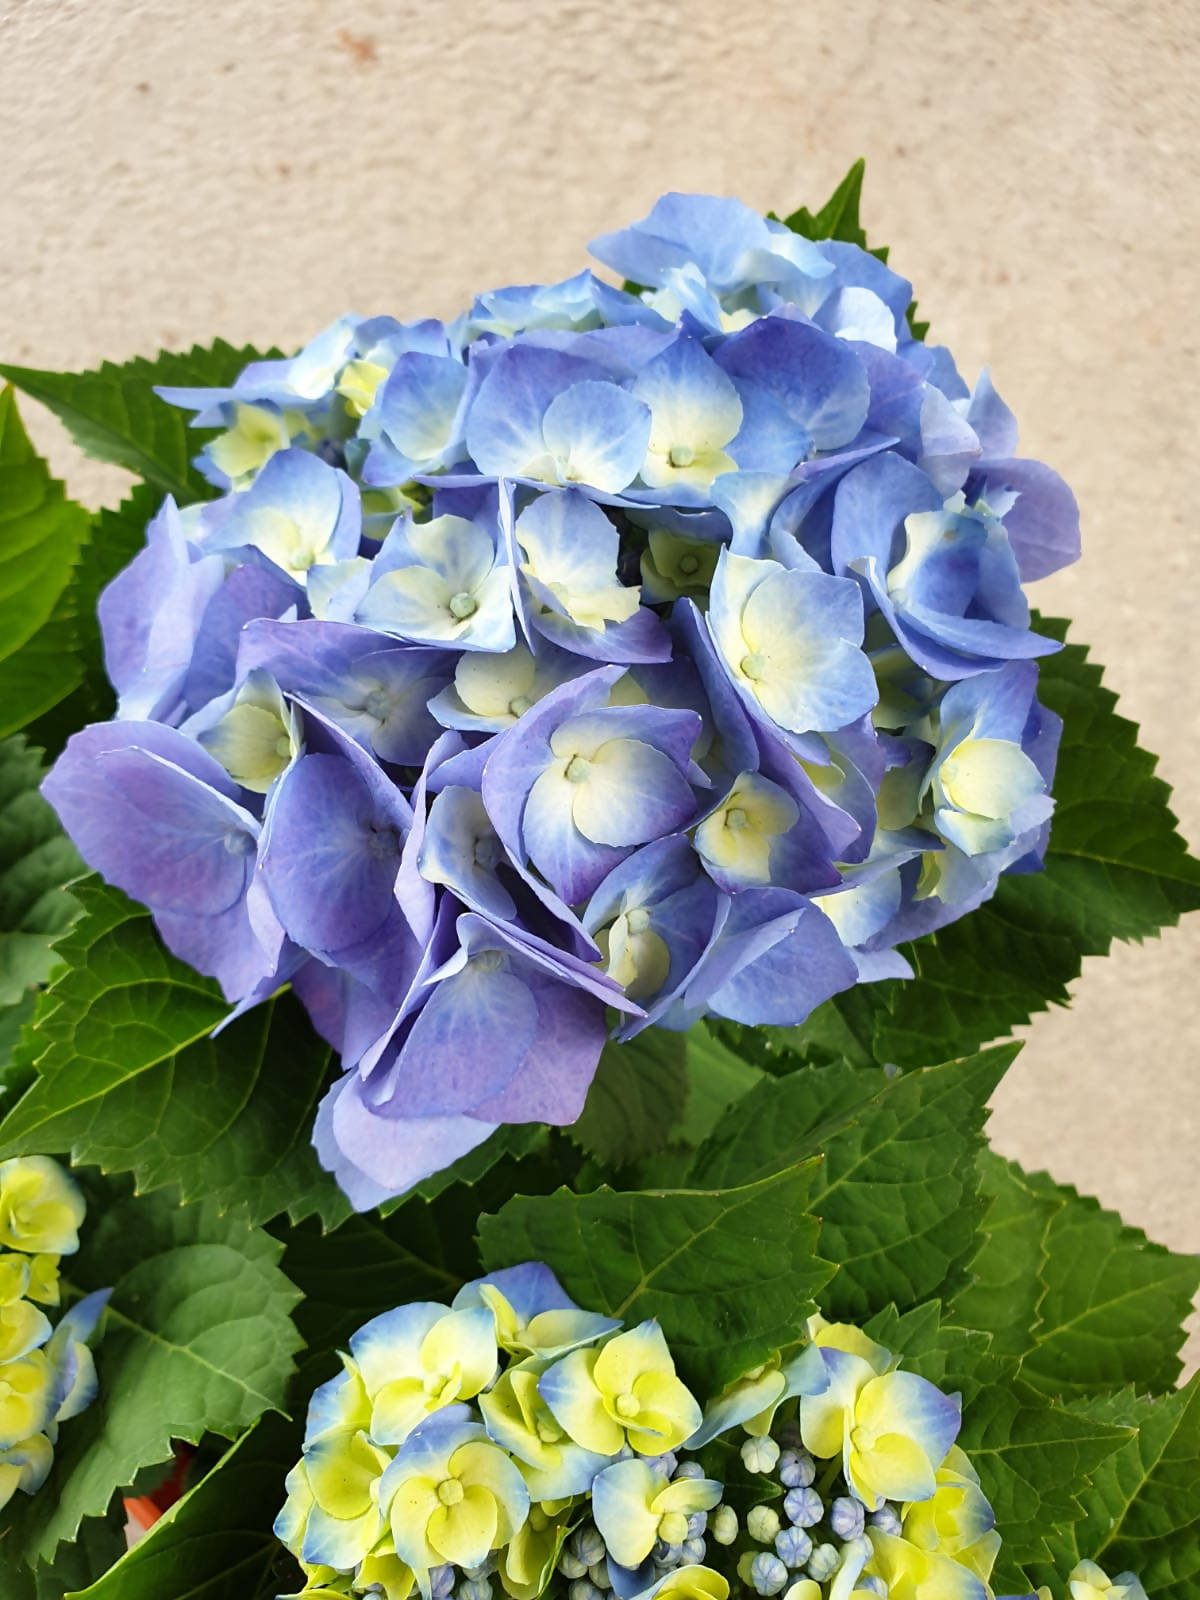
[(544, 1449), (602, 658), (47, 1371)]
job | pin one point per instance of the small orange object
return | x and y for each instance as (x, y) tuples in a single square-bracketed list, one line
[(146, 1509)]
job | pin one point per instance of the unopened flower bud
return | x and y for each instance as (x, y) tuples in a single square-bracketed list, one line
[(673, 1527), (762, 1524), (804, 1589), (588, 1546), (797, 1469), (441, 1581), (887, 1520), (570, 1565), (694, 1552), (793, 1546), (768, 1575), (760, 1455), (723, 1524), (875, 1585), (598, 1574), (474, 1589), (847, 1517), (824, 1562), (582, 1589), (689, 1469), (804, 1507), (697, 1525)]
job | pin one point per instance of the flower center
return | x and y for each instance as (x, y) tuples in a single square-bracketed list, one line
[(689, 565), (463, 605), (238, 843), (736, 819), (627, 1406), (520, 705), (862, 1439), (577, 769), (681, 455), (283, 747), (754, 665), (378, 704), (637, 920), (450, 1492), (548, 1431), (382, 843)]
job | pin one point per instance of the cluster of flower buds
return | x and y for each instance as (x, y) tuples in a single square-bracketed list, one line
[(513, 1444), (47, 1374)]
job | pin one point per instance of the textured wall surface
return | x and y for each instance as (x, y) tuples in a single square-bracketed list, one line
[(175, 171)]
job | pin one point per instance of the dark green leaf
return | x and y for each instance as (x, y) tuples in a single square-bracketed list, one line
[(197, 1338), (40, 536), (838, 217), (130, 1079), (636, 1098), (1141, 1509), (114, 414), (101, 1541), (216, 1542), (897, 1190), (717, 1077), (731, 1274), (36, 860)]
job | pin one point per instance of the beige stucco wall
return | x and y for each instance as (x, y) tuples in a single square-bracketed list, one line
[(250, 168)]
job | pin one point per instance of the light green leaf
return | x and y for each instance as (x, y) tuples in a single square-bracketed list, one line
[(897, 1190), (1141, 1509), (130, 1079), (731, 1274), (1088, 1302), (36, 860), (40, 536), (216, 1542), (838, 217), (114, 414), (1006, 1272), (197, 1338)]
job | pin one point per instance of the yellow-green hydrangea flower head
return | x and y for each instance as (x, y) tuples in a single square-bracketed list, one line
[(893, 1431), (28, 1397), (332, 1517), (451, 1495), (419, 1358), (625, 1392), (25, 1467), (914, 1574), (1090, 1582), (957, 1521), (41, 1206), (635, 1505)]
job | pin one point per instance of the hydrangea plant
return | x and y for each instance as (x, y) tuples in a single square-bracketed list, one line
[(521, 836)]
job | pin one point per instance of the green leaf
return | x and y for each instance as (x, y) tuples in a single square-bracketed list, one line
[(731, 1274), (717, 1077), (216, 1541), (1091, 1304), (1002, 1298), (1116, 869), (40, 536), (130, 1079), (897, 1190), (197, 1338), (114, 415), (1033, 1455), (838, 217), (636, 1098), (1141, 1508), (36, 860), (101, 1541)]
